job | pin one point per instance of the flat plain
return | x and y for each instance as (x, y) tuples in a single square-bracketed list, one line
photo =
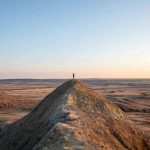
[(19, 96)]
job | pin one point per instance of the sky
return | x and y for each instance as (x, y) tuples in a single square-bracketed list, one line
[(93, 38)]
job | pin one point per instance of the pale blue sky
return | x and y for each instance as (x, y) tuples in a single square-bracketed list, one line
[(52, 39)]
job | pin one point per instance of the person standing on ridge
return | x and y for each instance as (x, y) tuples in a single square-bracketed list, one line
[(73, 75)]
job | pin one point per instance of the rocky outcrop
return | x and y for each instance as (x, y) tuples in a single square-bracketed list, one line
[(74, 117)]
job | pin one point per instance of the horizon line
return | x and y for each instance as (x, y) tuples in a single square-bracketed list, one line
[(72, 78)]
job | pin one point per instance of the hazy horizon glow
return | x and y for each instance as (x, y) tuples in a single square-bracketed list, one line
[(94, 39)]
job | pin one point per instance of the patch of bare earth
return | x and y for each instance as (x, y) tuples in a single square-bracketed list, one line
[(74, 117)]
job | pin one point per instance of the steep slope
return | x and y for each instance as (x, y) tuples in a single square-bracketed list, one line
[(74, 117)]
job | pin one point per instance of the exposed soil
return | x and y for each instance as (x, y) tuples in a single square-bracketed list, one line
[(74, 117), (18, 97)]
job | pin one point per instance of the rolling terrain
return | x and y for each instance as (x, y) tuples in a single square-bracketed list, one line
[(73, 117), (18, 97)]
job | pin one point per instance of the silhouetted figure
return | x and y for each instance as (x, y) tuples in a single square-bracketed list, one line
[(73, 75)]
